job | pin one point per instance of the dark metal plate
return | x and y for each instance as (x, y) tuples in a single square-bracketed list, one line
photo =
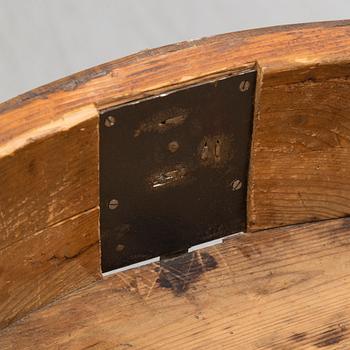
[(173, 170)]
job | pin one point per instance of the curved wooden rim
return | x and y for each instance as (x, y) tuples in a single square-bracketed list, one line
[(149, 72), (299, 164)]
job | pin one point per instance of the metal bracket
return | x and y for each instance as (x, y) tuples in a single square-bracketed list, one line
[(173, 170)]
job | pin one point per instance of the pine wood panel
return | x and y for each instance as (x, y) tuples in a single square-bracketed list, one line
[(285, 288), (148, 72), (48, 213), (48, 264), (300, 160), (272, 50), (48, 137), (53, 175)]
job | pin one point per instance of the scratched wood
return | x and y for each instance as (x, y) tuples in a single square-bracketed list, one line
[(51, 176), (300, 161), (49, 180), (53, 262), (148, 72), (271, 50), (286, 288), (48, 137)]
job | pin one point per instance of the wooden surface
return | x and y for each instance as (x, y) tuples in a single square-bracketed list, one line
[(51, 263), (50, 178), (280, 50), (49, 159), (286, 288), (149, 72), (48, 214), (300, 162)]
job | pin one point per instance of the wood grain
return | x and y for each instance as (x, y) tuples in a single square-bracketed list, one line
[(48, 264), (286, 50), (285, 288), (151, 71), (50, 177), (300, 160), (300, 153)]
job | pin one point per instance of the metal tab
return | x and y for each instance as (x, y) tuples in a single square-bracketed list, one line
[(173, 170)]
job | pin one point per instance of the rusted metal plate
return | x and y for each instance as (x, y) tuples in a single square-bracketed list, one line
[(173, 170)]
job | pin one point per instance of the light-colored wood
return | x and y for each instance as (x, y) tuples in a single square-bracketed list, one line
[(51, 176), (300, 162), (272, 51), (49, 138), (48, 200), (286, 288), (53, 262)]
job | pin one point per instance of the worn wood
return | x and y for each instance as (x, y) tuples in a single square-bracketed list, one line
[(51, 176), (147, 73), (285, 288), (300, 151), (47, 177), (48, 264), (272, 51), (300, 161)]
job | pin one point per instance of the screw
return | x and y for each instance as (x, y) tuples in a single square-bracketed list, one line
[(244, 85), (236, 185), (110, 121), (173, 146), (119, 247), (113, 204)]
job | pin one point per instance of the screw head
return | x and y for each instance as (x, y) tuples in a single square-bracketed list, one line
[(119, 247), (173, 146), (244, 85), (110, 121), (113, 204), (236, 185)]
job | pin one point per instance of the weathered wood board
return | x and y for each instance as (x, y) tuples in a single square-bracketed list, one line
[(285, 288), (49, 137), (54, 261), (48, 214), (300, 160)]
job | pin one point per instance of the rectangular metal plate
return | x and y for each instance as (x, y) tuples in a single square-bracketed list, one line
[(173, 170)]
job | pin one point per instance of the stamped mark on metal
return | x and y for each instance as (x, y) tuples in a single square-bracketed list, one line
[(173, 170)]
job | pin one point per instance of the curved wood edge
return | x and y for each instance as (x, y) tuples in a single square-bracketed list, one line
[(49, 139), (274, 49)]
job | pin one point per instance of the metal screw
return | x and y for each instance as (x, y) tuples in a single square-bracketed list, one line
[(119, 247), (244, 85), (173, 146), (236, 185), (113, 204), (110, 121)]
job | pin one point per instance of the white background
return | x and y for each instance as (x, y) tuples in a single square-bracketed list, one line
[(43, 40)]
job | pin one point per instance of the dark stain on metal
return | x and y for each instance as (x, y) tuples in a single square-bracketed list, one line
[(177, 274), (204, 151), (216, 151), (162, 121), (170, 161), (173, 121)]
